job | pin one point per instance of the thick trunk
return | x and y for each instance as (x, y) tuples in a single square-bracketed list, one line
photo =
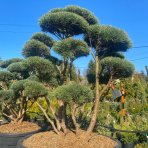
[(70, 70), (64, 79), (73, 112), (62, 115), (96, 105)]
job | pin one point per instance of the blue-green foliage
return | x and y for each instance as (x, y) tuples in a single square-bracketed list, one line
[(74, 92), (30, 89)]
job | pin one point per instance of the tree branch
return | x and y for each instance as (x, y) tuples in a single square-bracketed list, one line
[(50, 121), (53, 113), (73, 113), (92, 53), (106, 86), (9, 116)]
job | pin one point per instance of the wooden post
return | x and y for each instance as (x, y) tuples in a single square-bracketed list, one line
[(123, 111)]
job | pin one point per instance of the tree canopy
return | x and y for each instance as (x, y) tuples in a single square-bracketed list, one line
[(44, 38), (6, 63), (107, 39), (110, 66), (35, 48), (6, 76), (86, 14), (71, 48), (63, 24), (40, 67), (74, 92), (117, 67), (30, 89)]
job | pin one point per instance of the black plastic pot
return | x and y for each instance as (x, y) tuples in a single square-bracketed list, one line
[(20, 145), (119, 145), (10, 140), (128, 145)]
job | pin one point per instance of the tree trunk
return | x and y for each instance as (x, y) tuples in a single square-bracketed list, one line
[(64, 75), (70, 70), (62, 115), (96, 105), (73, 111)]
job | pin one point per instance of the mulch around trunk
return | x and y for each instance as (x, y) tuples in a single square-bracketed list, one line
[(52, 140), (18, 128)]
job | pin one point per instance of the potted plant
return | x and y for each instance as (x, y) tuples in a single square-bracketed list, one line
[(128, 139), (14, 100), (126, 136), (141, 145), (75, 96), (71, 97)]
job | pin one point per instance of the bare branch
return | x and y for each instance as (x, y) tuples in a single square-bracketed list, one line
[(9, 116), (73, 113), (53, 113), (106, 86), (50, 121)]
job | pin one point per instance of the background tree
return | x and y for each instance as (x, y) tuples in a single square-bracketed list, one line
[(5, 79), (146, 68), (6, 63), (19, 70), (104, 40)]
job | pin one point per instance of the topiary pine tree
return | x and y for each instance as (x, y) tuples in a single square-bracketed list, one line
[(65, 24), (104, 40), (15, 99), (74, 95)]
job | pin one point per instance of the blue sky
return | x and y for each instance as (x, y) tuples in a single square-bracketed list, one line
[(129, 15)]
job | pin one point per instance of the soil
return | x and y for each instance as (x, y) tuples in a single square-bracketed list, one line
[(52, 140), (18, 128)]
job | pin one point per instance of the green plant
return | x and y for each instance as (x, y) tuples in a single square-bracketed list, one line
[(141, 145), (15, 100), (129, 137)]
